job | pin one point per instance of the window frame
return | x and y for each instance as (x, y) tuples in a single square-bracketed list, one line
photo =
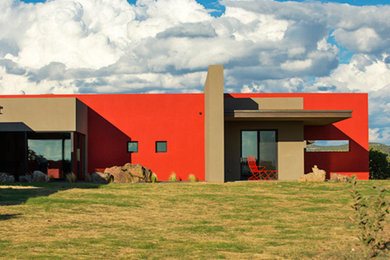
[(258, 138), (132, 142), (156, 146)]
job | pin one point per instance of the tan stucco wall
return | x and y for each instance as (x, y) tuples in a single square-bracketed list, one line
[(46, 114), (290, 147), (81, 117), (214, 125), (271, 103), (82, 127), (279, 103), (40, 114)]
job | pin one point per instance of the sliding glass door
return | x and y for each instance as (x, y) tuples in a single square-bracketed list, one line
[(262, 144), (50, 153)]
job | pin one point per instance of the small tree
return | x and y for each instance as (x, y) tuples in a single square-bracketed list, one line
[(379, 164)]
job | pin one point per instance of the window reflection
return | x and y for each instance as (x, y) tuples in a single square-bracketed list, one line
[(327, 146), (259, 143), (268, 149), (50, 153)]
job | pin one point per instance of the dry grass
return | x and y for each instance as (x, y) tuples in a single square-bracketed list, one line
[(243, 220)]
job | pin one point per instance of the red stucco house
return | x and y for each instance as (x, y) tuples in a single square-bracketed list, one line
[(209, 135)]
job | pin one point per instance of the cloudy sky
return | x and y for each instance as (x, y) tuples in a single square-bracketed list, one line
[(165, 46)]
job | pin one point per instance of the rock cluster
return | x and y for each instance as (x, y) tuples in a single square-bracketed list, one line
[(25, 178), (39, 176), (5, 177), (100, 177), (315, 175), (338, 178), (128, 173)]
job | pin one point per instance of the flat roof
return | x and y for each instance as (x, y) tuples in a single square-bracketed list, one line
[(308, 117)]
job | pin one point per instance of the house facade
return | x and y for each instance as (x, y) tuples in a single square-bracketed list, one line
[(209, 135)]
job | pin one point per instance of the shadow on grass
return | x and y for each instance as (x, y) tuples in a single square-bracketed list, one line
[(9, 216), (19, 193)]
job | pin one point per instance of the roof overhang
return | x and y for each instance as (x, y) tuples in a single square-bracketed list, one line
[(43, 114), (308, 117), (14, 127)]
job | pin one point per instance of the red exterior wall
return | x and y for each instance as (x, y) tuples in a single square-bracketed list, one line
[(354, 129), (115, 119)]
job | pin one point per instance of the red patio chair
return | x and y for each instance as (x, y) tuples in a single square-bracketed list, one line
[(260, 173)]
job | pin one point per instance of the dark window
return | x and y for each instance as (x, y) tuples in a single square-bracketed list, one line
[(161, 146), (132, 147)]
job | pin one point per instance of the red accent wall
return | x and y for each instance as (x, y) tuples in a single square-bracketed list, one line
[(176, 118), (115, 119), (354, 129)]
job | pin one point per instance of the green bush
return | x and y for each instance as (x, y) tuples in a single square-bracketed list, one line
[(88, 178), (192, 178), (154, 178), (173, 177), (370, 216), (70, 177), (379, 164)]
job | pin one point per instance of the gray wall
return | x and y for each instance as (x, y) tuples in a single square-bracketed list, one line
[(290, 147)]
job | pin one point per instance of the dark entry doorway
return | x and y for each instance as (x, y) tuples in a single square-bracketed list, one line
[(262, 144), (12, 153), (53, 153)]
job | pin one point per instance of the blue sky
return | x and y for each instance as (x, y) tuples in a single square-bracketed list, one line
[(211, 2), (165, 46)]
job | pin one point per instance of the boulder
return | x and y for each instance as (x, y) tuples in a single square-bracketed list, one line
[(315, 175), (39, 176), (101, 177), (338, 178), (25, 178), (130, 173), (5, 177)]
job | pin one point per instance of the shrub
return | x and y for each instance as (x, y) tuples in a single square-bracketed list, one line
[(370, 214), (88, 177), (154, 178), (70, 177), (379, 164), (173, 177), (192, 178)]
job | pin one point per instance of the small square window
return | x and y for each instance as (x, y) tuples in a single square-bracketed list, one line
[(132, 147), (161, 146)]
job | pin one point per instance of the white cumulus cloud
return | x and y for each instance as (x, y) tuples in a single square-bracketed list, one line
[(99, 46)]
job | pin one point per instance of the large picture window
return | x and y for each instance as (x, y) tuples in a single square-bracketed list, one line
[(50, 153)]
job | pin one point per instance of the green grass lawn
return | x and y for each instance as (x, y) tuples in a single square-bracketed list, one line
[(241, 220)]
